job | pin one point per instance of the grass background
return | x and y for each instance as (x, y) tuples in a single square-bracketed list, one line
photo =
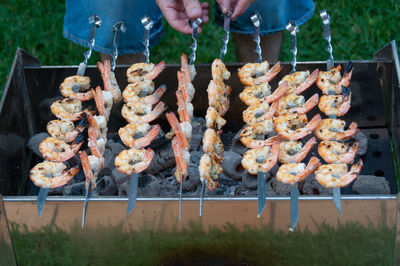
[(359, 28)]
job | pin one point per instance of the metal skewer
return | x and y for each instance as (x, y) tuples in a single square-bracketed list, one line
[(294, 206), (327, 36), (227, 24), (119, 26), (195, 24), (95, 22), (202, 191), (133, 188), (86, 202), (293, 29), (180, 198), (256, 19), (147, 24), (336, 193)]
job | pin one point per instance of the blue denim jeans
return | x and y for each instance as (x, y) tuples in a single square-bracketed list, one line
[(275, 15)]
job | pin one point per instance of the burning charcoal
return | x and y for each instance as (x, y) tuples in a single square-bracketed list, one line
[(198, 128), (232, 165), (241, 190), (280, 188), (108, 163), (149, 186), (123, 189), (249, 181), (106, 186), (230, 191), (370, 184), (119, 177), (310, 186), (169, 187), (193, 179), (163, 159), (237, 146), (270, 190), (115, 147), (77, 189), (363, 143), (227, 181), (34, 142)]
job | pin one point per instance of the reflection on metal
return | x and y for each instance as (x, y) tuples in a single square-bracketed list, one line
[(326, 19), (336, 199), (7, 255), (294, 206), (41, 199), (261, 192), (133, 188)]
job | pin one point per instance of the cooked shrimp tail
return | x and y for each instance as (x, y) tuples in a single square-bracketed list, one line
[(308, 82), (155, 72), (278, 93), (181, 164), (87, 169), (148, 139), (176, 127), (155, 113), (352, 174), (311, 167), (298, 157), (272, 72)]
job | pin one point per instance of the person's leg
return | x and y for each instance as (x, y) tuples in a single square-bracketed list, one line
[(270, 47), (127, 59)]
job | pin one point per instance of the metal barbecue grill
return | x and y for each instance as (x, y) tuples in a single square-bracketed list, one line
[(375, 108)]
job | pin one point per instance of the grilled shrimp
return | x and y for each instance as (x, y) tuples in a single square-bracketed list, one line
[(291, 173), (99, 122), (337, 152), (150, 99), (331, 82), (299, 81), (57, 150), (73, 86), (248, 138), (104, 101), (52, 174), (134, 160), (336, 175), (186, 87), (142, 112), (142, 71), (295, 126), (182, 158), (188, 70), (209, 171), (109, 80), (258, 113), (68, 109), (293, 103), (333, 129), (181, 130), (294, 151), (219, 71), (212, 145), (253, 95), (214, 119), (96, 143), (335, 105), (218, 96), (258, 73), (185, 109), (87, 170), (261, 159), (65, 130), (138, 135), (140, 88)]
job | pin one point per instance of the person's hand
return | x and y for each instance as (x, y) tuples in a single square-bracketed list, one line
[(178, 13), (237, 7)]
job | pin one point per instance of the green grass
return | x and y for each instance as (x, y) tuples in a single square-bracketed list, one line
[(351, 244), (359, 28)]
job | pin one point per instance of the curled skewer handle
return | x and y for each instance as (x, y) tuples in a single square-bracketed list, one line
[(147, 24), (119, 26), (95, 22), (293, 30), (195, 24), (326, 20), (225, 40), (256, 19)]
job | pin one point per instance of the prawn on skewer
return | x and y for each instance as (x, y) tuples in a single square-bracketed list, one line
[(295, 151), (331, 82), (109, 80), (52, 174), (337, 152), (57, 150), (299, 81), (292, 173), (209, 172), (134, 160), (65, 130), (335, 105), (293, 103), (337, 175), (295, 126), (258, 73), (333, 129), (261, 159), (142, 71), (76, 87), (138, 135)]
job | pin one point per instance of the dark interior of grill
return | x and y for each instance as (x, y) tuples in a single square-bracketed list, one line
[(24, 112)]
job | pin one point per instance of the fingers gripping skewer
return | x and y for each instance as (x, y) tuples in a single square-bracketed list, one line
[(327, 36), (195, 24), (148, 24), (293, 29), (119, 26), (95, 22), (256, 19), (227, 23)]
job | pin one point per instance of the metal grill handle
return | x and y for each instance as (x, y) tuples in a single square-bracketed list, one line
[(95, 22), (225, 40), (148, 24), (196, 23), (326, 20), (293, 30), (119, 26), (256, 19)]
